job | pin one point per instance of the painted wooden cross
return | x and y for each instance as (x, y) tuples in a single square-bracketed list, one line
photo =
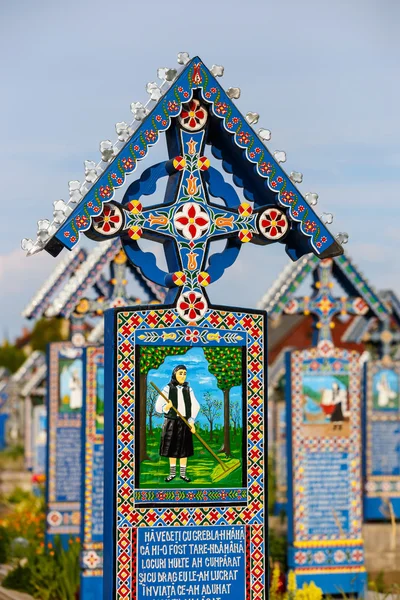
[(324, 306), (187, 222)]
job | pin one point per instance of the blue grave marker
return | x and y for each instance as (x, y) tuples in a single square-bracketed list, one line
[(93, 476), (198, 510), (64, 423), (382, 441)]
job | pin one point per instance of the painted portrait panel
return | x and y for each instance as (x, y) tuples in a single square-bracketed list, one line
[(386, 396), (100, 399), (71, 384), (326, 408)]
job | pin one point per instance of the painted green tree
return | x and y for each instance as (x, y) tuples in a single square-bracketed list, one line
[(225, 363), (151, 357), (211, 410)]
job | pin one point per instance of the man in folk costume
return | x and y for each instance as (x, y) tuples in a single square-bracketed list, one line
[(177, 437)]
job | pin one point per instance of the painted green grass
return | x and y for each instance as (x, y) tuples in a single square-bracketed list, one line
[(200, 466)]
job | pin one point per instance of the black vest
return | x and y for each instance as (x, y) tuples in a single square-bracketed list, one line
[(173, 396)]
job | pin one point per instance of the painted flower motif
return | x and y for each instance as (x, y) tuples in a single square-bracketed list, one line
[(339, 556), (221, 108), (150, 135), (258, 150), (191, 221), (164, 123), (319, 244), (279, 179), (252, 155), (244, 137), (223, 495), (161, 495), (300, 558), (192, 335), (91, 559), (319, 557), (324, 239), (235, 120), (273, 184), (142, 153), (66, 234), (127, 163), (96, 209), (120, 181), (172, 105), (190, 495), (109, 221), (90, 204), (158, 118), (230, 125), (192, 306), (301, 208), (357, 555), (186, 94), (287, 197), (73, 239), (295, 213), (136, 148), (213, 90), (113, 176), (266, 168), (208, 95), (193, 116), (273, 224), (105, 191), (310, 226), (81, 221)]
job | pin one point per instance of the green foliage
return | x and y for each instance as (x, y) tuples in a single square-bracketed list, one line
[(11, 357), (51, 575), (19, 579), (18, 495), (5, 545), (378, 585), (271, 485), (225, 363), (152, 357), (278, 549), (46, 331), (200, 467)]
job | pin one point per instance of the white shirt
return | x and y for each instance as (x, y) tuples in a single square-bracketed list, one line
[(161, 403)]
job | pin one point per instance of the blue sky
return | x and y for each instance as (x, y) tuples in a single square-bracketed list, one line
[(322, 75), (199, 378)]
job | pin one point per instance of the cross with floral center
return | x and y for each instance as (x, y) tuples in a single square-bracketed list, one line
[(186, 222), (324, 306)]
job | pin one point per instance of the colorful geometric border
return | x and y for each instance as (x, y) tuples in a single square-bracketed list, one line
[(92, 551), (323, 554), (130, 329), (63, 518), (378, 486)]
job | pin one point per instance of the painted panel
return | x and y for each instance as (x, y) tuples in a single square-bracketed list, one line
[(324, 451), (382, 436), (65, 399), (170, 496), (93, 475)]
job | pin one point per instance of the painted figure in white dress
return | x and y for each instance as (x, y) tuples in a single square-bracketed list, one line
[(75, 388), (385, 392)]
